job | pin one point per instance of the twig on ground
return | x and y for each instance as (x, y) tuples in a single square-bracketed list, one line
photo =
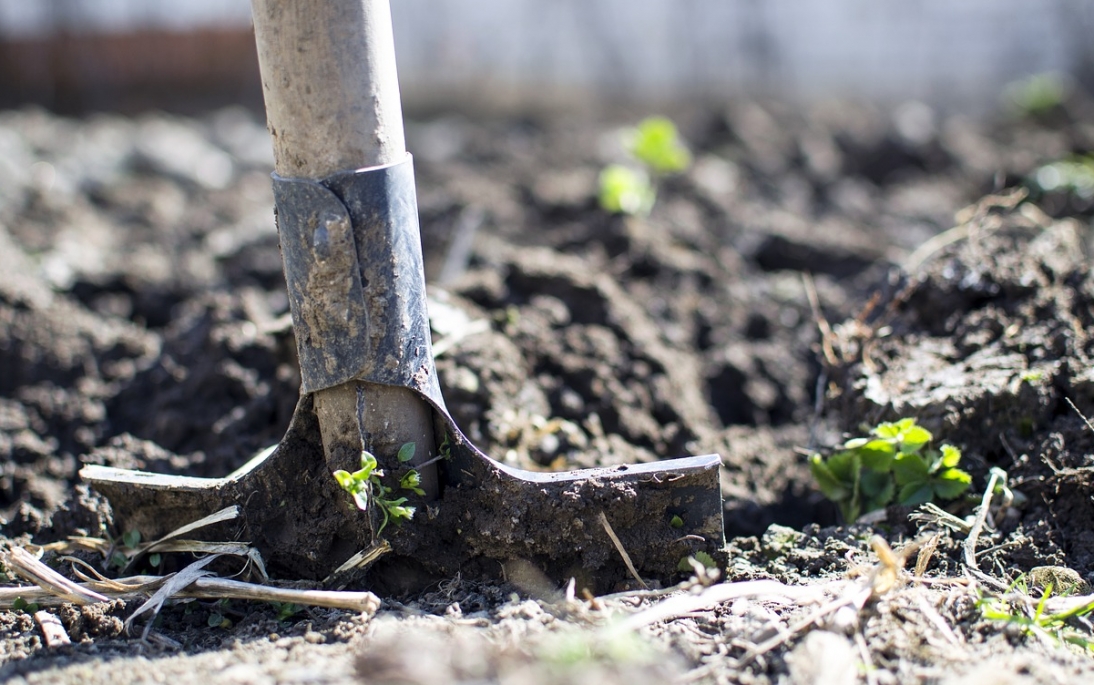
[(679, 605), (356, 564), (936, 619), (827, 336), (29, 567), (138, 587), (997, 474), (622, 552), (1081, 415), (867, 660), (926, 553), (171, 587), (52, 629)]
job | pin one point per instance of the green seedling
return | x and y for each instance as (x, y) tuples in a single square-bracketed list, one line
[(1016, 608), (365, 486), (20, 604), (1037, 94), (1074, 176), (656, 147), (701, 557), (129, 540), (624, 190), (1032, 376), (216, 618), (286, 610), (656, 143), (868, 473)]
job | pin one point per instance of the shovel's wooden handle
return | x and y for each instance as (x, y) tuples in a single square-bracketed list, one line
[(332, 104), (330, 85)]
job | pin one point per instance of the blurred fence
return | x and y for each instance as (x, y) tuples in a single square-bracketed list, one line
[(74, 54)]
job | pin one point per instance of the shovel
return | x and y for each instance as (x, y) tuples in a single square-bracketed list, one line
[(348, 227)]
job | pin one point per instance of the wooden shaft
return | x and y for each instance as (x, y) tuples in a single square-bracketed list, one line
[(332, 104), (330, 85)]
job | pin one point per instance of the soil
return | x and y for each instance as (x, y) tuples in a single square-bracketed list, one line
[(143, 324)]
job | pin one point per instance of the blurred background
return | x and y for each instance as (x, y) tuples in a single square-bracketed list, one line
[(128, 55)]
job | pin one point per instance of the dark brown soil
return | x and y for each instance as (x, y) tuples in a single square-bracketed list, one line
[(143, 324)]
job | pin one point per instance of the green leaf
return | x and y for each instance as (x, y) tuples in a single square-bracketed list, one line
[(360, 498), (886, 430), (131, 538), (832, 487), (951, 483), (155, 559), (626, 191), (368, 465), (876, 487), (951, 456), (916, 493), (910, 468), (656, 143), (914, 438), (406, 452), (705, 559), (676, 522), (845, 466), (346, 480), (877, 490), (877, 455)]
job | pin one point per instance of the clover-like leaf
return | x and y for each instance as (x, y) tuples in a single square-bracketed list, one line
[(916, 493), (910, 468), (832, 487), (951, 483), (886, 430), (625, 191), (877, 455), (913, 438), (656, 143), (951, 456), (876, 484), (845, 465)]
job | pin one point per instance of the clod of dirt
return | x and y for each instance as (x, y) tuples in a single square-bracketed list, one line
[(985, 344)]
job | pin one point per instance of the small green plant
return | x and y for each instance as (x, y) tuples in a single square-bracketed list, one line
[(655, 146), (1037, 94), (286, 610), (1073, 176), (624, 190), (216, 618), (20, 604), (1032, 376), (1016, 608), (868, 473), (700, 557), (129, 540), (365, 485)]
